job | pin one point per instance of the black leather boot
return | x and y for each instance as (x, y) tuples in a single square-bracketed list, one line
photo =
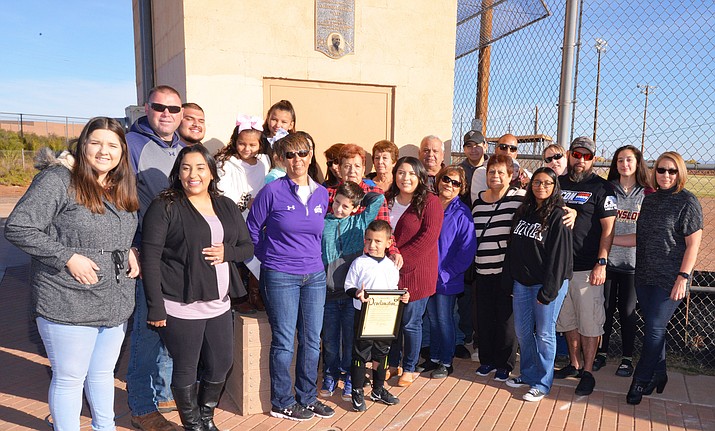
[(635, 393), (209, 394), (658, 383), (188, 407)]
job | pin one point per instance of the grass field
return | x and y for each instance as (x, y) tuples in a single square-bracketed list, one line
[(703, 186)]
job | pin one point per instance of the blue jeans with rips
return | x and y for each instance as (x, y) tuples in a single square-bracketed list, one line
[(410, 334), (150, 366), (535, 326), (442, 328), (338, 332), (657, 309), (294, 303)]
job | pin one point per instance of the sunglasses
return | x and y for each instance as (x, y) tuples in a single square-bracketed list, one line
[(510, 148), (158, 107), (538, 183), (301, 154), (585, 156), (664, 170), (332, 163), (448, 180), (554, 157)]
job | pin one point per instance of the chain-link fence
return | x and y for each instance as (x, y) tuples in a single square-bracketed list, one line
[(642, 76), (66, 128)]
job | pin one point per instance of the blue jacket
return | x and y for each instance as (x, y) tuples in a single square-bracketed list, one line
[(457, 247), (152, 160), (286, 233), (343, 242)]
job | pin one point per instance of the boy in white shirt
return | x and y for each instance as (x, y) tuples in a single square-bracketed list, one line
[(371, 271)]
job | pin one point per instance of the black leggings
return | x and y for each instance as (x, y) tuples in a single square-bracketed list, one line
[(208, 340), (620, 290), (495, 322)]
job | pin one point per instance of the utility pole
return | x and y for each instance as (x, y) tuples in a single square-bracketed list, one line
[(600, 46), (645, 89)]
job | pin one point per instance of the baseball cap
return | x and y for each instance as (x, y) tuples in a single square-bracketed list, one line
[(584, 142), (474, 136)]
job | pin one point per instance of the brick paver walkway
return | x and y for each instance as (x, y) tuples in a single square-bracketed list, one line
[(463, 401)]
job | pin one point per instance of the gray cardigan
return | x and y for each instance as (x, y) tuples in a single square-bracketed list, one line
[(49, 225)]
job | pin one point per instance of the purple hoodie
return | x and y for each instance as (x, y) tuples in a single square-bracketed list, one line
[(286, 233), (457, 247)]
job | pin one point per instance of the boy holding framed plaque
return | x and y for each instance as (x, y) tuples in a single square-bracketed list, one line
[(372, 282)]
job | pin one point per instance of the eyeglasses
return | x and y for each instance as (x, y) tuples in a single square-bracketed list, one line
[(662, 171), (538, 183), (448, 180), (556, 156), (158, 107), (510, 148), (585, 156), (301, 154)]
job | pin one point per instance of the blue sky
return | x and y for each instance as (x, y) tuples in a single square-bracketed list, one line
[(69, 57)]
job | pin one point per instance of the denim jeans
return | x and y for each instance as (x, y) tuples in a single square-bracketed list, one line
[(657, 309), (338, 332), (293, 303), (410, 334), (81, 356), (150, 366), (442, 333), (538, 347), (463, 316)]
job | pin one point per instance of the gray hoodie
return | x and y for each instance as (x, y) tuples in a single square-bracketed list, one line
[(623, 259), (49, 225)]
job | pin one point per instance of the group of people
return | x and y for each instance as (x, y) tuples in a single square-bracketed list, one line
[(152, 225)]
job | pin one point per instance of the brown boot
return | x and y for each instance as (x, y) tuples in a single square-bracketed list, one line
[(254, 294), (153, 421), (242, 305)]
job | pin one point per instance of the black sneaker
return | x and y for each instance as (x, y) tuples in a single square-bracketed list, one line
[(424, 352), (320, 409), (428, 365), (625, 369), (358, 400), (383, 396), (586, 385), (599, 362), (296, 412), (567, 371), (442, 372), (461, 352)]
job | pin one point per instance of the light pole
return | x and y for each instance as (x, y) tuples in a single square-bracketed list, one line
[(645, 89), (600, 46)]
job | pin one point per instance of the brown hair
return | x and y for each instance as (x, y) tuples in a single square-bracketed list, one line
[(230, 150), (449, 170), (386, 146), (352, 191), (556, 147), (351, 150), (682, 170), (641, 174), (501, 159), (120, 184), (163, 89), (380, 226), (192, 105)]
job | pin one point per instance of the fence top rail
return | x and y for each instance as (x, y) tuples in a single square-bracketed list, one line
[(17, 114)]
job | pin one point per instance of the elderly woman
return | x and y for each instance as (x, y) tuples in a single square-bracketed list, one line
[(192, 239), (384, 157), (416, 217), (668, 234), (555, 158), (457, 246), (493, 211), (77, 224), (286, 225), (539, 261)]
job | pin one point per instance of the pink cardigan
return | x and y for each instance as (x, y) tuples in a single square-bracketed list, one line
[(417, 238)]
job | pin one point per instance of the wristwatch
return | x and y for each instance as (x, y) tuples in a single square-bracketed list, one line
[(602, 261), (685, 275)]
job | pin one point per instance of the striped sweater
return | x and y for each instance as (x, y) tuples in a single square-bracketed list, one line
[(492, 222)]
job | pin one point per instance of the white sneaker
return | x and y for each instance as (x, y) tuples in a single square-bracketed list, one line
[(475, 355), (533, 395)]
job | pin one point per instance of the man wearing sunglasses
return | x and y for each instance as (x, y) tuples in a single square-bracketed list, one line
[(583, 314), (507, 145), (153, 144)]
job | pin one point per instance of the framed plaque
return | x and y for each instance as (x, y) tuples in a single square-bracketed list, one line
[(335, 27), (381, 315)]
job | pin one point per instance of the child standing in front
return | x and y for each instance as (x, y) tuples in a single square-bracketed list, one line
[(372, 271), (342, 242)]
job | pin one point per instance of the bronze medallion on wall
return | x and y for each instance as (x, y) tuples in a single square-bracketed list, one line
[(335, 27)]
